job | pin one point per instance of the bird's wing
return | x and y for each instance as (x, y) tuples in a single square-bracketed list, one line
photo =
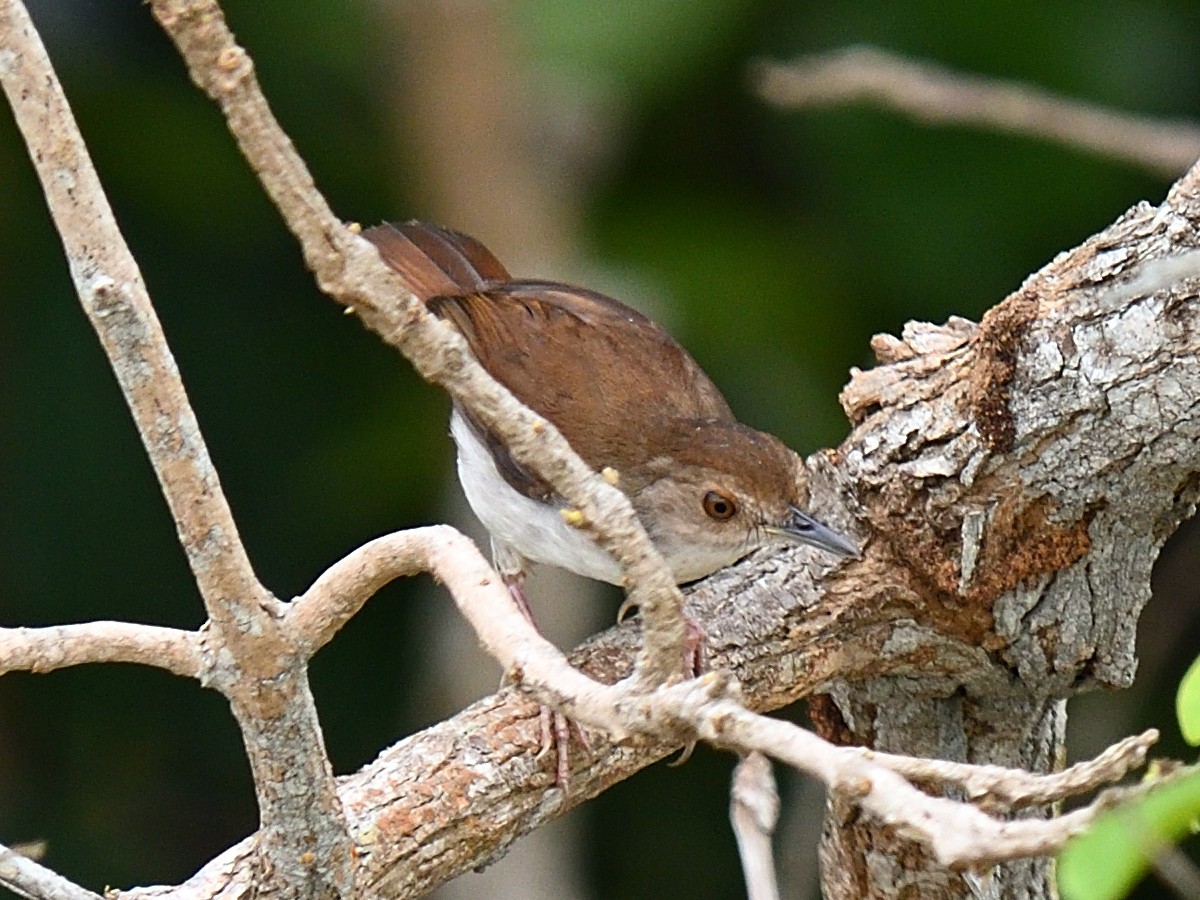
[(593, 366), (604, 374), (436, 261)]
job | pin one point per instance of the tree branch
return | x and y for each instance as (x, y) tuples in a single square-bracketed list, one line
[(406, 811), (753, 811), (482, 598), (60, 646), (997, 785), (937, 95), (30, 879), (304, 836), (349, 270)]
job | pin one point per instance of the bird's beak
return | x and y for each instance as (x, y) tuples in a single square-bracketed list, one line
[(802, 528)]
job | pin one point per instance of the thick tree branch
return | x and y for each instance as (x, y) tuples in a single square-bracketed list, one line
[(1020, 478), (937, 95)]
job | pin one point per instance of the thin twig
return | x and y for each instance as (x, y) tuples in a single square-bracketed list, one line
[(937, 95), (483, 600), (60, 646), (959, 834), (1016, 787), (342, 589), (30, 879)]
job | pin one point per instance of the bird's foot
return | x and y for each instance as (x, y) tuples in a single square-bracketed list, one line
[(694, 664), (556, 728), (557, 733), (695, 647), (516, 590)]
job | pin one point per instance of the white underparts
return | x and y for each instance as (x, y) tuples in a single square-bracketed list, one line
[(533, 529)]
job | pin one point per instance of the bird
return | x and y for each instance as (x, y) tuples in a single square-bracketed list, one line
[(707, 489)]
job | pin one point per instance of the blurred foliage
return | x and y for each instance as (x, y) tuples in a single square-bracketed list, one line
[(783, 242), (1187, 704), (1114, 854)]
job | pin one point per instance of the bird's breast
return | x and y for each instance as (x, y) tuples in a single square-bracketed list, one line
[(534, 529)]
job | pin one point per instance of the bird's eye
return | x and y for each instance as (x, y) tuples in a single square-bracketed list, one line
[(719, 506)]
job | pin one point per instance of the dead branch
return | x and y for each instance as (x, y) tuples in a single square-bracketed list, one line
[(939, 96), (30, 879), (1016, 787), (60, 646), (1015, 480)]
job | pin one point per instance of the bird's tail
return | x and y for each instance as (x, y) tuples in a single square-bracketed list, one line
[(436, 261)]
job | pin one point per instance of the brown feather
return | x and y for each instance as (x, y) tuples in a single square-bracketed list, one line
[(436, 261), (553, 345)]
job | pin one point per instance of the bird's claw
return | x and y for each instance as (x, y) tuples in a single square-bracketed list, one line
[(556, 735)]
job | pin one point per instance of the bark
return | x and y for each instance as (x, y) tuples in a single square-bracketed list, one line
[(1020, 478), (1014, 482), (1011, 483)]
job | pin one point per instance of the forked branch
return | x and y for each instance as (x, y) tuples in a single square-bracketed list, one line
[(951, 467)]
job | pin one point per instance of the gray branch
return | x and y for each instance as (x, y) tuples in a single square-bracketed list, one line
[(1012, 483), (937, 95)]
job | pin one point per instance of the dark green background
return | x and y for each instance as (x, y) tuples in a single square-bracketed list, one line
[(783, 240)]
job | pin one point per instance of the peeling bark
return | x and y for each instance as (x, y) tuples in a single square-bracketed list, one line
[(1013, 481), (1020, 478)]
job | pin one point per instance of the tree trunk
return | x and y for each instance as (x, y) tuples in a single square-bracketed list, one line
[(1020, 479)]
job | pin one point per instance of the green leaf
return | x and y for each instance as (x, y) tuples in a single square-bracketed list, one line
[(1187, 704), (1106, 861)]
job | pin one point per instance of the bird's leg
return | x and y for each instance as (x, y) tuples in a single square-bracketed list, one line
[(515, 582), (556, 728), (695, 647), (511, 566)]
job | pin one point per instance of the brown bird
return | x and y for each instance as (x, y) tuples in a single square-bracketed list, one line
[(625, 395)]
